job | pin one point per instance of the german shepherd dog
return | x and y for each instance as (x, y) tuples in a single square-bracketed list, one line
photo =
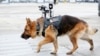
[(73, 27)]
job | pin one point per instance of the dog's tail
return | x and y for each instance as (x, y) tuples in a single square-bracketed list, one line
[(91, 31)]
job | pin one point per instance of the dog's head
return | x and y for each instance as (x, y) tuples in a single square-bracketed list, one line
[(30, 29)]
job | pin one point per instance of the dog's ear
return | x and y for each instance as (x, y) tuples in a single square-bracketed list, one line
[(33, 23), (28, 21)]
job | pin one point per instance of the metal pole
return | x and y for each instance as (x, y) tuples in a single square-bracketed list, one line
[(50, 13), (55, 1), (99, 7)]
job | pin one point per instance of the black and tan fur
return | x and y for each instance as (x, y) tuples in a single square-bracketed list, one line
[(69, 25)]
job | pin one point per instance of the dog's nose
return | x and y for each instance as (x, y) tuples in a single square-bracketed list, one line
[(22, 36), (25, 36)]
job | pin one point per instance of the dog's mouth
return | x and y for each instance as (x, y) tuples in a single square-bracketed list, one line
[(25, 36)]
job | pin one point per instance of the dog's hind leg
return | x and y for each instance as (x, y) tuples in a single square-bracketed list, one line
[(74, 43), (44, 41), (89, 40), (91, 44)]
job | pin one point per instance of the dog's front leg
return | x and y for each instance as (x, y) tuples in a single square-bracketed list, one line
[(41, 29), (40, 21), (44, 41), (55, 43)]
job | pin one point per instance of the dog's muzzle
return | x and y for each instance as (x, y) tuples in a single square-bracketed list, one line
[(25, 36)]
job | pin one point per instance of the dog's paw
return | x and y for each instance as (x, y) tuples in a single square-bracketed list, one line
[(69, 53), (38, 51), (53, 53), (91, 48)]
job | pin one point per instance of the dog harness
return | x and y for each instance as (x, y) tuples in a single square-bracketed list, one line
[(55, 21)]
